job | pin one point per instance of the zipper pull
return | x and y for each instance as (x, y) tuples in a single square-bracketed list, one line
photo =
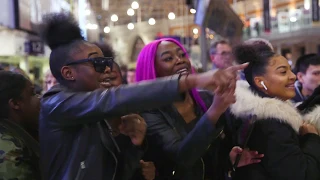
[(82, 165)]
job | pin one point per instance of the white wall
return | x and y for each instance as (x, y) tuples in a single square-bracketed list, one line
[(12, 42)]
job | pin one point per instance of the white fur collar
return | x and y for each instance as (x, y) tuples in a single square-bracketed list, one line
[(248, 104), (313, 117)]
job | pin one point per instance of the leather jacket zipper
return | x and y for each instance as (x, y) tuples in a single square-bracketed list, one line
[(111, 152), (80, 171), (203, 168), (115, 158)]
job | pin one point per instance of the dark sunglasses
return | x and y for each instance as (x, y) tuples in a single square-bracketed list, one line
[(99, 63)]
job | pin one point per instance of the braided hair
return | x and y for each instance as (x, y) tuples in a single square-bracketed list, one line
[(62, 34)]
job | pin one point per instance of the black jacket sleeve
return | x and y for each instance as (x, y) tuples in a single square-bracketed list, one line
[(285, 158), (183, 151), (67, 108)]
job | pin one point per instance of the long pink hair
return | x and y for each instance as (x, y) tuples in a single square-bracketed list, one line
[(145, 69)]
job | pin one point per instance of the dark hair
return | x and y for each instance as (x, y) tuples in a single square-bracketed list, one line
[(261, 47), (11, 87), (5, 65), (305, 61), (258, 58), (213, 49), (106, 49), (259, 41), (61, 33)]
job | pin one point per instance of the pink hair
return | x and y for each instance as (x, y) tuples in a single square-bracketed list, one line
[(145, 69)]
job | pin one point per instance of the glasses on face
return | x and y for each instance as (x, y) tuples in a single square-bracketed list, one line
[(99, 63)]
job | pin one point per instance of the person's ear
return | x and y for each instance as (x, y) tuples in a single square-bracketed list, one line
[(260, 83), (68, 73), (14, 104), (300, 77)]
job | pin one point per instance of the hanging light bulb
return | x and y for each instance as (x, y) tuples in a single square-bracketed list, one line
[(195, 31), (114, 18), (106, 29), (135, 5), (171, 16), (130, 12), (193, 11), (152, 21), (130, 26)]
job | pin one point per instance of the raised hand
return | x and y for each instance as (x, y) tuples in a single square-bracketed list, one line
[(148, 170), (221, 101), (219, 80), (247, 157), (133, 126)]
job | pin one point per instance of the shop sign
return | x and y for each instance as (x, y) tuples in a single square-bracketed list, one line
[(34, 47)]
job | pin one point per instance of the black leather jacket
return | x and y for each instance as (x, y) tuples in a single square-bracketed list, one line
[(74, 141), (180, 155)]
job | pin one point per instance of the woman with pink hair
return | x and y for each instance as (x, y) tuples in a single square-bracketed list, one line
[(183, 137)]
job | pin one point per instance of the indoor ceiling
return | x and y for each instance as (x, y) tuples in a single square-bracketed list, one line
[(157, 9)]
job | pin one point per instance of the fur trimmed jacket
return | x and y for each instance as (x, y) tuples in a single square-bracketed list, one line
[(275, 133)]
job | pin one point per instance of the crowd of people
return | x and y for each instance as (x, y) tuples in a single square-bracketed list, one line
[(250, 117)]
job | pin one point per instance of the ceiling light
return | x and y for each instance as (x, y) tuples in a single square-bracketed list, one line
[(106, 29), (135, 5), (114, 18), (130, 12), (293, 19), (152, 21), (130, 26), (171, 15), (195, 31), (193, 11), (307, 5)]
